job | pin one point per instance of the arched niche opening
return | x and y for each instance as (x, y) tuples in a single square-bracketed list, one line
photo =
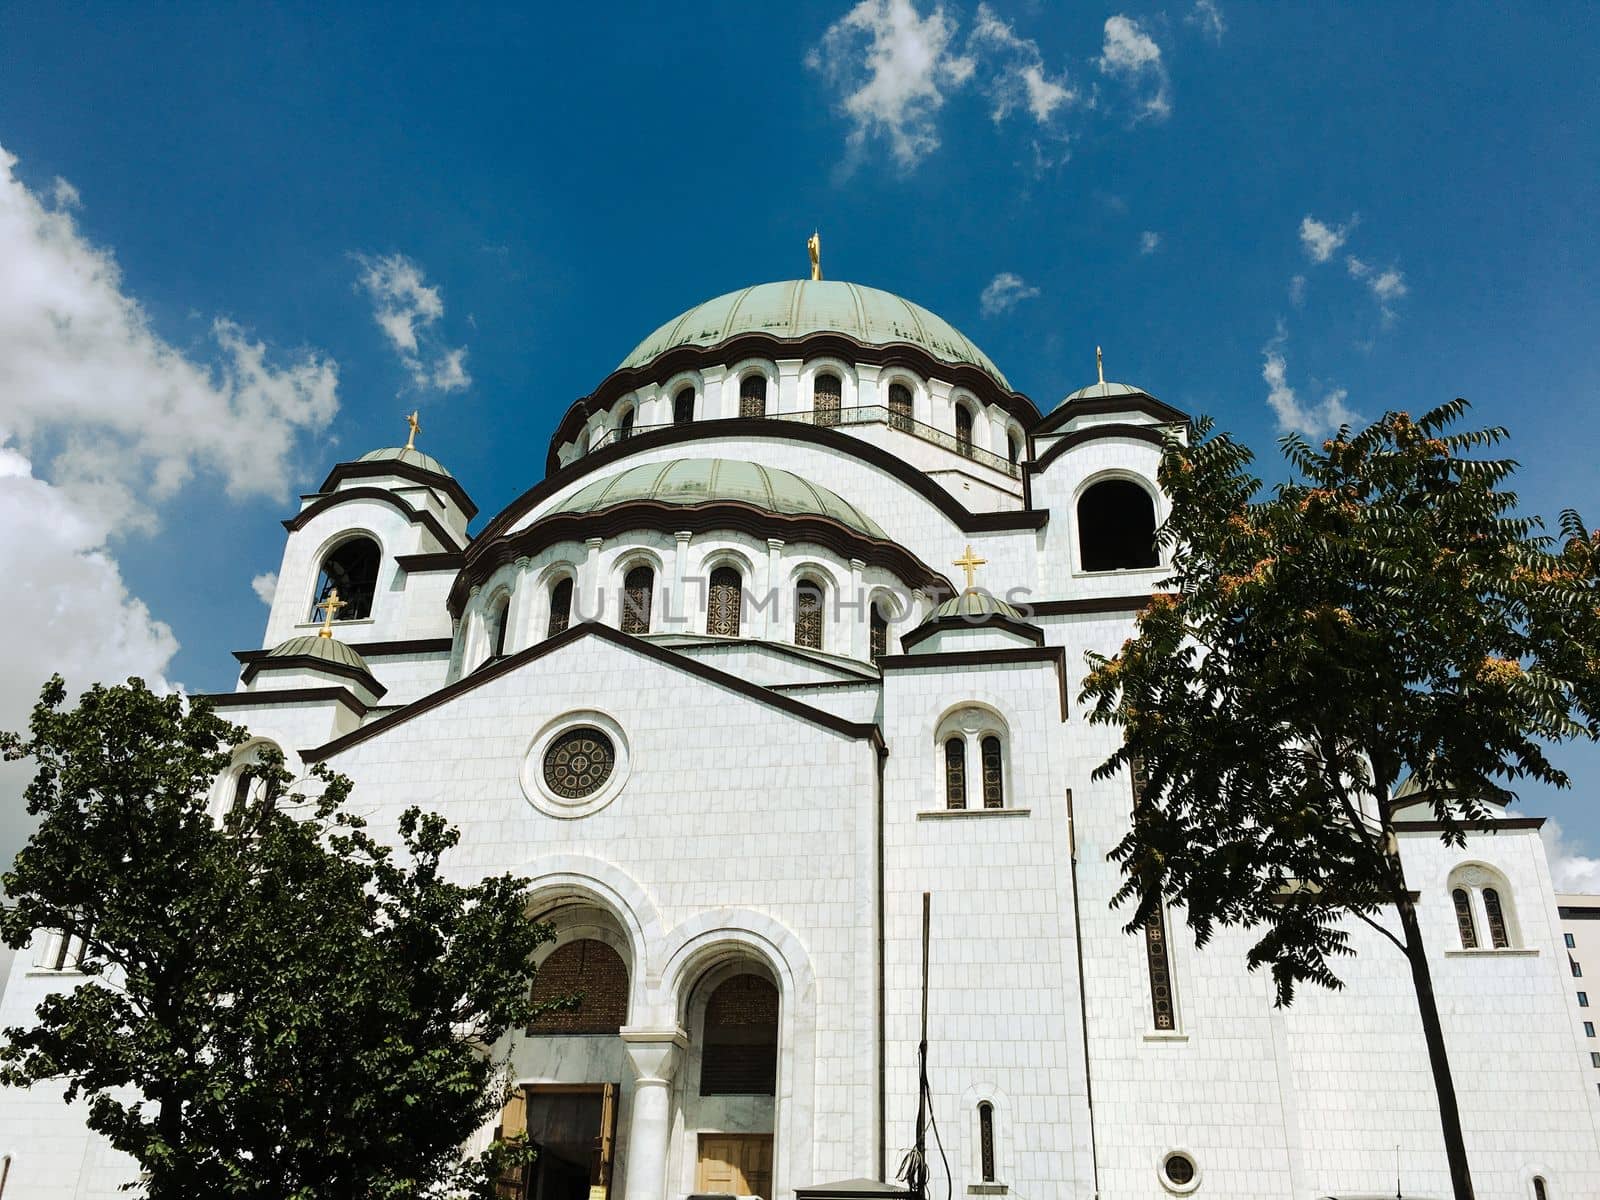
[(1116, 527), (351, 569)]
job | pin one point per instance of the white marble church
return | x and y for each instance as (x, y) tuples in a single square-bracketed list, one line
[(718, 685)]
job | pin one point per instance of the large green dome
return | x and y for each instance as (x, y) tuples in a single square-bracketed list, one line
[(796, 308), (709, 480)]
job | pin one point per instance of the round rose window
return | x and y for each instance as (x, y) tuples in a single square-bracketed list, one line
[(578, 763)]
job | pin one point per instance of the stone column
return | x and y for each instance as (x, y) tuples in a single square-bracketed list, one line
[(678, 606), (519, 635), (588, 600), (861, 627), (654, 1055), (789, 399), (775, 602)]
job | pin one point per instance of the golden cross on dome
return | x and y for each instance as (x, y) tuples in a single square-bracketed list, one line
[(1099, 364), (969, 562), (416, 428), (814, 246), (330, 605)]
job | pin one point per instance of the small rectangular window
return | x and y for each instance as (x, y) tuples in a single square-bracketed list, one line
[(1571, 943), (1583, 999), (1588, 1029), (1577, 971), (1594, 1057)]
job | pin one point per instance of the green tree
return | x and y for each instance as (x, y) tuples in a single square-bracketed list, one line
[(277, 1005), (1384, 614)]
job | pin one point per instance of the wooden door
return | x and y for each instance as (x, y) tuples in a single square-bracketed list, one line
[(740, 1163)]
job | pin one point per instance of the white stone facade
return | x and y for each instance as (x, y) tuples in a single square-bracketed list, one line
[(778, 809)]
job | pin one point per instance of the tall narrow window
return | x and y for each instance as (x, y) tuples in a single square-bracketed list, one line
[(352, 570), (1539, 1190), (826, 397), (880, 633), (808, 614), (1497, 919), (499, 618), (722, 612), (242, 784), (1155, 946), (740, 1044), (753, 396), (964, 429), (683, 406), (637, 586), (625, 425), (1464, 922), (955, 773), (986, 1140), (900, 407), (560, 605), (1013, 449), (993, 783)]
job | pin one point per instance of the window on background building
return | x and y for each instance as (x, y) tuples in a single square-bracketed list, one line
[(1469, 932), (1572, 943), (753, 396), (986, 1140), (560, 604), (351, 569), (625, 425), (637, 586), (1588, 1029), (955, 772), (963, 429), (826, 396), (993, 780), (593, 972), (879, 640), (1116, 527), (1497, 919), (740, 1044), (726, 599), (683, 406), (1594, 1058), (900, 407), (1577, 971), (808, 614), (1583, 999)]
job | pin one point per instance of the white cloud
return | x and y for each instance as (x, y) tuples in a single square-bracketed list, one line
[(406, 308), (1149, 242), (1570, 871), (265, 586), (1132, 54), (1005, 292), (1208, 17), (1297, 290), (1321, 240), (1295, 416), (1386, 286), (64, 195), (895, 68), (1020, 80)]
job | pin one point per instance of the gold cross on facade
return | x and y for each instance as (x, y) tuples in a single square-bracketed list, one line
[(814, 247), (969, 562), (329, 607), (416, 428)]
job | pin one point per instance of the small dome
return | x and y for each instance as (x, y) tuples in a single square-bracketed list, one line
[(315, 645), (412, 458), (688, 481), (973, 604), (796, 308), (1105, 391)]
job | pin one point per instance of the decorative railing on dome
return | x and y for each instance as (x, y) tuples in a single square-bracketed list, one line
[(870, 414)]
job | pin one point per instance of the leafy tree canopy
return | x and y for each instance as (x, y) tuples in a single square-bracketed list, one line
[(276, 1004)]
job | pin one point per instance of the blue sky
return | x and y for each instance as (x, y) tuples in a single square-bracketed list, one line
[(1261, 212)]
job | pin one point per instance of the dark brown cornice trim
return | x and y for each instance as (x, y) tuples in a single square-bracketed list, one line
[(373, 649), (1090, 604), (993, 620), (270, 697), (1054, 655), (309, 662), (749, 429), (444, 560), (764, 345), (393, 466), (1101, 406), (427, 520), (815, 716), (1484, 825), (487, 558), (1094, 433), (819, 658)]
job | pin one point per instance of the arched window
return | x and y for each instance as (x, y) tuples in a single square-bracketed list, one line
[(740, 1045), (986, 1140), (1540, 1192), (723, 609), (637, 586), (1116, 527), (964, 429), (879, 642), (1497, 919), (808, 614), (1014, 448), (900, 407), (993, 781), (497, 618), (826, 397), (955, 772), (248, 786), (1464, 922), (753, 396), (593, 972), (625, 424), (351, 568), (683, 406), (560, 605)]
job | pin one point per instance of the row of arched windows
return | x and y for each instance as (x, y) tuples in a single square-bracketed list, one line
[(991, 782)]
